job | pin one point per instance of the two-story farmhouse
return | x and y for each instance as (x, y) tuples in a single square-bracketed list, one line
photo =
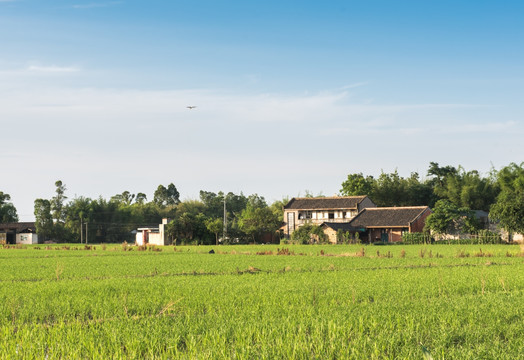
[(299, 211)]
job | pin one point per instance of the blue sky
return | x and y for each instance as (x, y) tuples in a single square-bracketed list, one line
[(291, 95)]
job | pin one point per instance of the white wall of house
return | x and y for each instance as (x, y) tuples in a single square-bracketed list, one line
[(518, 238), (302, 217), (156, 239), (152, 236), (139, 238), (515, 237), (144, 236), (27, 239)]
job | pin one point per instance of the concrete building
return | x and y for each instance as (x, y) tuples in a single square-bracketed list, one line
[(153, 235)]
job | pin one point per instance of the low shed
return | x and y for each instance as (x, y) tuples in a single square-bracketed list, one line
[(152, 235), (18, 233), (387, 224), (331, 230)]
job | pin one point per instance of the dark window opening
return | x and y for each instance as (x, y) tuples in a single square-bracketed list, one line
[(305, 215)]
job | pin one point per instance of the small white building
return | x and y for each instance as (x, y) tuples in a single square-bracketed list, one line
[(18, 233), (152, 235), (27, 238)]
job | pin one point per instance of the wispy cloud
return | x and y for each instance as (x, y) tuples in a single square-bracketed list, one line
[(487, 127), (326, 115), (8, 74), (94, 137), (52, 69), (96, 5)]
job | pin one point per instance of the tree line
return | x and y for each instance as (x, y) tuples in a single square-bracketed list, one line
[(248, 218), (452, 193)]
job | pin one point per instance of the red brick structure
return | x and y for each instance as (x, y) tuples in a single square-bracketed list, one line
[(387, 224)]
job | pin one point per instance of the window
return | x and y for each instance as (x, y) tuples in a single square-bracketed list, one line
[(305, 215), (290, 222)]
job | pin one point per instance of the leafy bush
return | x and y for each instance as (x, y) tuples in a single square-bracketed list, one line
[(309, 234), (416, 238)]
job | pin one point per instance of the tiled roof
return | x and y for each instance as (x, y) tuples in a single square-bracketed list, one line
[(342, 226), (17, 226), (387, 216), (324, 203)]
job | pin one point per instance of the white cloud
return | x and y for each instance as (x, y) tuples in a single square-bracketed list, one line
[(99, 141), (9, 72), (328, 113), (52, 69), (484, 127)]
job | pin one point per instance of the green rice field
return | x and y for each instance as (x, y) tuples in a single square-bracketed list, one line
[(262, 302)]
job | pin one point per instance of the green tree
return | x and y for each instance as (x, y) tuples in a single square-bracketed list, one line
[(141, 198), (166, 196), (508, 209), (277, 207), (53, 209), (7, 209), (418, 193), (189, 223), (463, 188), (43, 218), (57, 202), (78, 212), (112, 221), (448, 218), (257, 219), (236, 203), (213, 203), (309, 234), (216, 226), (357, 184), (389, 190), (125, 198), (440, 174)]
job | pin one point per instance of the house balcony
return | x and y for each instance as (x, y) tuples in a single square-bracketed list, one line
[(320, 221)]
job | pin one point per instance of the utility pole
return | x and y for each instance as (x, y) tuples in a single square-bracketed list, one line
[(81, 231), (86, 232), (225, 222)]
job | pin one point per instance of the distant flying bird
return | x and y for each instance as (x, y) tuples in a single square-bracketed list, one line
[(191, 107)]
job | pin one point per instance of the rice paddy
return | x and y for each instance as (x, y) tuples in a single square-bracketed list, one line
[(262, 302)]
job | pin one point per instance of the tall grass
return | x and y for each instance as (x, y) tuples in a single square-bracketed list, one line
[(262, 302)]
